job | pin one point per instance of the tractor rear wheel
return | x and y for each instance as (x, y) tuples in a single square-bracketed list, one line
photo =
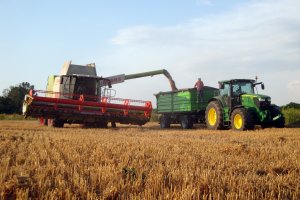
[(186, 122), (164, 121), (214, 116), (242, 119)]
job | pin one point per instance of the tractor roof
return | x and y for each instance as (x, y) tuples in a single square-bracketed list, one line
[(237, 80)]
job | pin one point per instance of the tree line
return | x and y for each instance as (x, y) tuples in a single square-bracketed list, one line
[(12, 100)]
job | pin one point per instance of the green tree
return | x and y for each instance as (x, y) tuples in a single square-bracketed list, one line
[(12, 99), (7, 106)]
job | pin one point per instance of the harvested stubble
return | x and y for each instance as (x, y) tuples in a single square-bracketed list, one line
[(147, 163)]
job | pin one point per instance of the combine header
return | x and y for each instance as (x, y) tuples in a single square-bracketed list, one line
[(79, 96), (85, 109)]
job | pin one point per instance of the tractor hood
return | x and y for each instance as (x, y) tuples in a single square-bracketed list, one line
[(259, 100), (262, 97)]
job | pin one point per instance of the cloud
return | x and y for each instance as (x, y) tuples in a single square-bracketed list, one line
[(256, 38), (204, 2), (294, 85)]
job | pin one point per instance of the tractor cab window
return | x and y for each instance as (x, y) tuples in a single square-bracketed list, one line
[(242, 88), (224, 91)]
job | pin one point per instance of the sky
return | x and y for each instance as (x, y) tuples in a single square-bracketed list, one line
[(211, 39)]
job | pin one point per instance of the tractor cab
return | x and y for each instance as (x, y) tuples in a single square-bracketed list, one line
[(235, 92)]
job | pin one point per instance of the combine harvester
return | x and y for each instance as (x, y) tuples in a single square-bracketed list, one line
[(79, 96)]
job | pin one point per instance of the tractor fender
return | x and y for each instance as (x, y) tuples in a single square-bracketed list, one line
[(235, 107), (219, 100)]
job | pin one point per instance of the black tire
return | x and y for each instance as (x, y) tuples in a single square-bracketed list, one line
[(164, 121), (113, 125), (214, 116), (280, 122), (102, 124), (56, 123), (242, 119), (186, 122)]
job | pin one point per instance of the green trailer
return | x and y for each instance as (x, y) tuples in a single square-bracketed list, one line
[(183, 106)]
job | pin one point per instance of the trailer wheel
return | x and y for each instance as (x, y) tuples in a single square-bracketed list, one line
[(242, 119), (186, 122), (56, 123), (214, 116), (164, 121)]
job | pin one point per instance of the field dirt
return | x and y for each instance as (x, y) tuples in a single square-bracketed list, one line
[(131, 162)]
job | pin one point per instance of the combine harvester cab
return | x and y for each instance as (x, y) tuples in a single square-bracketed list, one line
[(79, 96)]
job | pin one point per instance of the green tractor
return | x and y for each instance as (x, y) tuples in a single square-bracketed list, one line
[(239, 107)]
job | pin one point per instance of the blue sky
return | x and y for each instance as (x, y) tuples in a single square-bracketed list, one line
[(211, 39)]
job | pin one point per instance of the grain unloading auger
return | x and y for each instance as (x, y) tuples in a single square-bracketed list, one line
[(122, 77), (79, 96)]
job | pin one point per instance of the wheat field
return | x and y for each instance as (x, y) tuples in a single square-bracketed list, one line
[(132, 162)]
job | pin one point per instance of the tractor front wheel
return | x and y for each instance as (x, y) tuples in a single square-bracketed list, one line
[(242, 119), (214, 116)]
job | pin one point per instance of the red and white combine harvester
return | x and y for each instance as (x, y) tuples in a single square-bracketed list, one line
[(79, 96)]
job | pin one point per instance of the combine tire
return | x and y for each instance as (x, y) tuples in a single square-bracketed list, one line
[(186, 122), (214, 116), (164, 121), (102, 124), (56, 123), (242, 119)]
